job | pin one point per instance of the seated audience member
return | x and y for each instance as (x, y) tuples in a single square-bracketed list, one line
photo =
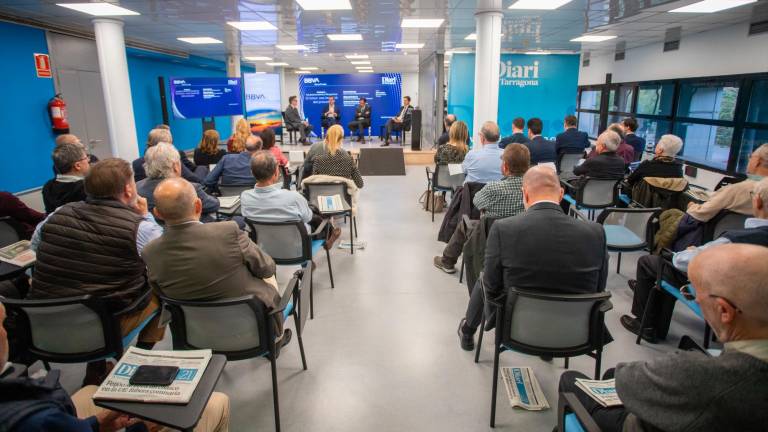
[(637, 143), (690, 390), (215, 261), (624, 150), (72, 139), (542, 248), (454, 151), (162, 162), (659, 314), (235, 169), (236, 143), (449, 120), (41, 404), (606, 164), (571, 140), (542, 149), (73, 163), (162, 133), (93, 246), (316, 149), (518, 136), (11, 206), (335, 161), (497, 199), (663, 165), (208, 151), (481, 164), (268, 143)]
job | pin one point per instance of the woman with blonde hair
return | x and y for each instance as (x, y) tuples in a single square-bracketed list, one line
[(208, 151), (335, 161), (455, 149), (236, 142)]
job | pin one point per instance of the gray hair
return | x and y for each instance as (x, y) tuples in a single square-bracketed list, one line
[(263, 165), (253, 143), (610, 139), (490, 131), (160, 159), (761, 190), (670, 145), (67, 139), (762, 153), (157, 136), (616, 127), (65, 156)]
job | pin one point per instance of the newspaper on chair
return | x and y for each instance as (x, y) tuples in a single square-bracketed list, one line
[(19, 254), (191, 366), (603, 392), (328, 204), (523, 388)]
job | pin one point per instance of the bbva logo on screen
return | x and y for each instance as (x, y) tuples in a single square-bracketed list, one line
[(311, 80), (388, 80)]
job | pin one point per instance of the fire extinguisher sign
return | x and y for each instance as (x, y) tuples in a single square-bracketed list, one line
[(43, 65)]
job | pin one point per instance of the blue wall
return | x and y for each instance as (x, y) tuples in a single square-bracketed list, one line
[(548, 91), (27, 135)]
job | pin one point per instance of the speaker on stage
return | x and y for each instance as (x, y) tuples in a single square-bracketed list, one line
[(416, 130)]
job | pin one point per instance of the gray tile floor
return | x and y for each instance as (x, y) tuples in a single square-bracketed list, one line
[(382, 351)]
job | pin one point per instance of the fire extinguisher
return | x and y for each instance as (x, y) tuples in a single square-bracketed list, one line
[(57, 111)]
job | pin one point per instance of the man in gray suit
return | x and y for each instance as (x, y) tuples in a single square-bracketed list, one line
[(214, 261), (541, 249), (294, 120)]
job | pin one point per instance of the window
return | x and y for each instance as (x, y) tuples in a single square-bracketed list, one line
[(651, 131), (706, 144), (590, 99), (758, 103), (589, 123), (752, 139), (620, 99), (655, 99), (708, 100)]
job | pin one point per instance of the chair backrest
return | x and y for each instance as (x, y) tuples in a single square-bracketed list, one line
[(9, 232), (724, 221), (568, 161), (443, 179), (237, 328), (313, 190), (535, 322), (597, 193), (286, 242), (233, 190), (639, 221), (305, 287), (67, 330)]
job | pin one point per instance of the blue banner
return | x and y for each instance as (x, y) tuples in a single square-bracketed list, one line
[(542, 86), (206, 97), (382, 92)]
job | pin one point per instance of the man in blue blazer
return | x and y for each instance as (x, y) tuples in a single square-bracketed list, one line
[(571, 140), (629, 125), (542, 149)]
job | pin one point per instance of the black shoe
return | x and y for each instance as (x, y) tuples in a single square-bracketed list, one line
[(633, 326), (386, 144), (546, 358), (467, 340), (632, 284)]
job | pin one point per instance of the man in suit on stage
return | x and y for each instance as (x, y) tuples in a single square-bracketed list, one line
[(331, 113), (362, 119), (400, 122), (294, 120)]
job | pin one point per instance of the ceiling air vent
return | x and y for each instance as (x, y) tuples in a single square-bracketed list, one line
[(621, 48), (585, 59), (759, 22), (672, 39), (758, 28)]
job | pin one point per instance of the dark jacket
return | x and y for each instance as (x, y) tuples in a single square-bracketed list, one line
[(90, 248), (755, 236), (205, 159), (292, 116), (11, 206), (406, 116), (461, 204), (527, 251), (637, 143), (474, 251), (57, 193), (146, 188), (443, 140), (571, 140), (542, 150), (660, 166), (336, 109), (187, 173), (606, 165), (515, 138), (363, 112)]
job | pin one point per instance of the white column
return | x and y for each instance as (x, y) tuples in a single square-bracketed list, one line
[(487, 57), (233, 71), (113, 67)]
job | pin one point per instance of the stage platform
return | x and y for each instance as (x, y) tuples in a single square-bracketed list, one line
[(412, 157)]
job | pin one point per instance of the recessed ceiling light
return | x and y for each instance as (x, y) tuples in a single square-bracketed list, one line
[(301, 71), (199, 40), (365, 71), (309, 68), (292, 47), (538, 52), (257, 58), (277, 64), (345, 37), (421, 22), (259, 72), (363, 67), (356, 56), (593, 38), (473, 36), (361, 62), (538, 4), (711, 6), (409, 45), (252, 25), (98, 9), (324, 4)]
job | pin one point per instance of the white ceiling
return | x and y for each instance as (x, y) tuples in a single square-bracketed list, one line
[(636, 22)]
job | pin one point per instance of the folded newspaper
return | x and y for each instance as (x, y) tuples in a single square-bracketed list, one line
[(229, 202), (603, 392), (523, 388), (191, 366), (19, 254), (330, 203)]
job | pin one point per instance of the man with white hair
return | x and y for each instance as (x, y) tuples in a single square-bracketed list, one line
[(481, 165), (663, 165), (161, 162), (163, 134), (659, 313), (690, 390), (607, 164)]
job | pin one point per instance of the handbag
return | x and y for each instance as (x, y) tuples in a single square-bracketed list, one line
[(426, 200)]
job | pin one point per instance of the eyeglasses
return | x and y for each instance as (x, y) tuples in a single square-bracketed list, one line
[(689, 293)]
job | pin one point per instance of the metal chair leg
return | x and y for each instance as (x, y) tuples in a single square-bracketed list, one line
[(311, 297), (330, 270), (495, 384), (354, 223), (651, 296), (618, 264), (598, 361), (273, 364), (351, 237), (298, 336), (433, 205), (566, 362), (461, 273), (480, 339)]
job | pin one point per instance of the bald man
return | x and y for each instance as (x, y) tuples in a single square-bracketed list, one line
[(213, 261), (691, 391), (481, 164), (541, 249)]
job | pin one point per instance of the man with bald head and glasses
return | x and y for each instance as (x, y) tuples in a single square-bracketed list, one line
[(692, 391)]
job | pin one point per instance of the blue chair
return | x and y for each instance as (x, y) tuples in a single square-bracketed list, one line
[(629, 229), (572, 416), (73, 329), (440, 180), (594, 194), (288, 243)]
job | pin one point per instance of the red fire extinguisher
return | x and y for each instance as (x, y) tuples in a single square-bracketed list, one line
[(57, 111)]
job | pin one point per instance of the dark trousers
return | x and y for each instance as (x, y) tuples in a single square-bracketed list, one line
[(303, 130), (392, 125), (659, 314), (608, 419), (455, 245), (329, 121), (474, 314), (360, 125)]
